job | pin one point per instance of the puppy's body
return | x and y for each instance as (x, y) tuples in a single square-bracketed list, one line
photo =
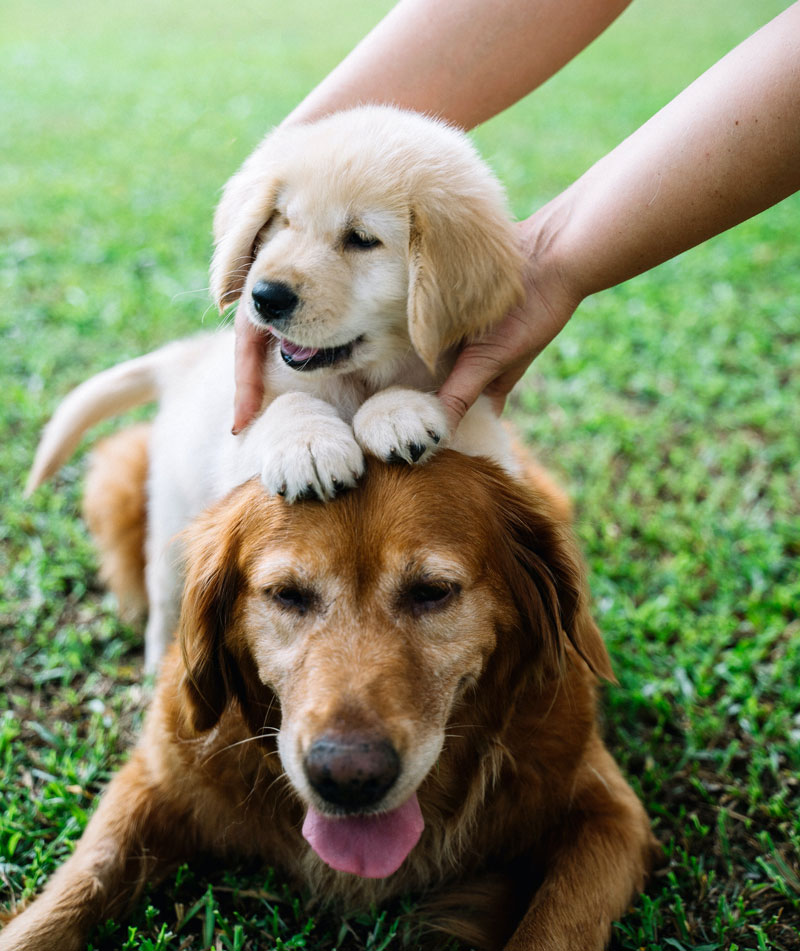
[(367, 245), (439, 611)]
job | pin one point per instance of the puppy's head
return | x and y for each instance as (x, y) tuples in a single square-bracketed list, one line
[(368, 620), (353, 235)]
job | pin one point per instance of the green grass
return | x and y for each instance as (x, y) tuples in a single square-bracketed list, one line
[(668, 407)]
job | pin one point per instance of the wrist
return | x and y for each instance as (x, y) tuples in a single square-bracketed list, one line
[(550, 269)]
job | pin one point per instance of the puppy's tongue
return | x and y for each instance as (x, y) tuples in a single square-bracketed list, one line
[(369, 846), (296, 352)]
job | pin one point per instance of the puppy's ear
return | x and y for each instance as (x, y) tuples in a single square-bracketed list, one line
[(247, 204), (213, 580), (465, 268), (546, 576)]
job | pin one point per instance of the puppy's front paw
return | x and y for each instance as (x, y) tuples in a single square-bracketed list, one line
[(310, 452), (400, 424)]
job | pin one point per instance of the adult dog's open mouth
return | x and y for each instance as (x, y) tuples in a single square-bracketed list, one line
[(313, 358)]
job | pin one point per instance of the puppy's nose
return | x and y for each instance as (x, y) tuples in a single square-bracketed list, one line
[(352, 770), (274, 300)]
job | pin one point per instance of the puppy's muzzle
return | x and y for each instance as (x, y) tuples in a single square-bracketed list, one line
[(352, 771), (274, 301)]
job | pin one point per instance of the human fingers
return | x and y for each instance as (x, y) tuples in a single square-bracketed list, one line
[(494, 363), (250, 354), (480, 363)]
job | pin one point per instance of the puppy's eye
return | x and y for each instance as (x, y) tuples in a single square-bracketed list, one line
[(422, 597), (360, 240), (265, 232), (291, 597)]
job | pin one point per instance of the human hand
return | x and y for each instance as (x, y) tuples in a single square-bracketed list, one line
[(250, 354), (493, 364)]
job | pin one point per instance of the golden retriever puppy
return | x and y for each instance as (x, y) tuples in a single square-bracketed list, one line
[(368, 245), (390, 693)]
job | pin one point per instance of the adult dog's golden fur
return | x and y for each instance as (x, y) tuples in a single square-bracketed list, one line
[(299, 620), (115, 509)]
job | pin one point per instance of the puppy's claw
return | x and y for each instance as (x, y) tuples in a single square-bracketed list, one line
[(434, 436), (416, 451), (338, 486), (282, 490), (308, 494)]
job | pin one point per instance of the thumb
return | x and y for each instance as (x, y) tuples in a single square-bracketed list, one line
[(250, 354), (475, 367)]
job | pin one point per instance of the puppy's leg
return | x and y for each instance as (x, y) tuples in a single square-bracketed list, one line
[(173, 500), (598, 865), (125, 524), (164, 574), (166, 517), (400, 424), (304, 447), (133, 835)]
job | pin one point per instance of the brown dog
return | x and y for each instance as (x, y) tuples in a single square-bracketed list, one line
[(392, 692)]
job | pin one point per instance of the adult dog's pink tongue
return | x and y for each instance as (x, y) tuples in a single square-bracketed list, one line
[(296, 352), (369, 846)]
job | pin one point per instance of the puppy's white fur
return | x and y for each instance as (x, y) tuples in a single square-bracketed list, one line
[(440, 265)]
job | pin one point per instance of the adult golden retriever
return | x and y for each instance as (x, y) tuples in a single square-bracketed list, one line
[(368, 244), (390, 693)]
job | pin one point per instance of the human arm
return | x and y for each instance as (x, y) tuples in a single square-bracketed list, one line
[(464, 61), (723, 150)]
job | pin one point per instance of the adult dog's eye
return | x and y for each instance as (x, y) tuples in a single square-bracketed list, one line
[(291, 597), (422, 597), (360, 240)]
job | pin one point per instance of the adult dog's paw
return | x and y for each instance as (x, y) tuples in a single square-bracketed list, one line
[(399, 424), (310, 451)]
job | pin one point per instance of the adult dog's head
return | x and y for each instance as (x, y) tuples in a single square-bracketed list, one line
[(353, 235), (369, 623)]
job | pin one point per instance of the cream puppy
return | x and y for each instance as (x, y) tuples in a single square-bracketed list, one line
[(369, 245)]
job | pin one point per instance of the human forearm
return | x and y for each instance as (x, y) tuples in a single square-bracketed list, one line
[(725, 149), (463, 61)]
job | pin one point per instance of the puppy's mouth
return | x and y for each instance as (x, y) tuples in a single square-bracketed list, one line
[(370, 846), (314, 358)]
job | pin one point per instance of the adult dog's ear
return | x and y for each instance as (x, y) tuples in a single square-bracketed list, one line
[(213, 580), (546, 575), (247, 204), (465, 265)]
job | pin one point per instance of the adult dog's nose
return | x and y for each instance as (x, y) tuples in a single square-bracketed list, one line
[(352, 770), (274, 301)]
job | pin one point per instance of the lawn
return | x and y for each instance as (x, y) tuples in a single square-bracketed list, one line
[(668, 407)]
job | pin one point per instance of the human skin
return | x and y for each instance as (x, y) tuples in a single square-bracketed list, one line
[(723, 150)]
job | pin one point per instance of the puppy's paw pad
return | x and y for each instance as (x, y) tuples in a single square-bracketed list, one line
[(401, 425)]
